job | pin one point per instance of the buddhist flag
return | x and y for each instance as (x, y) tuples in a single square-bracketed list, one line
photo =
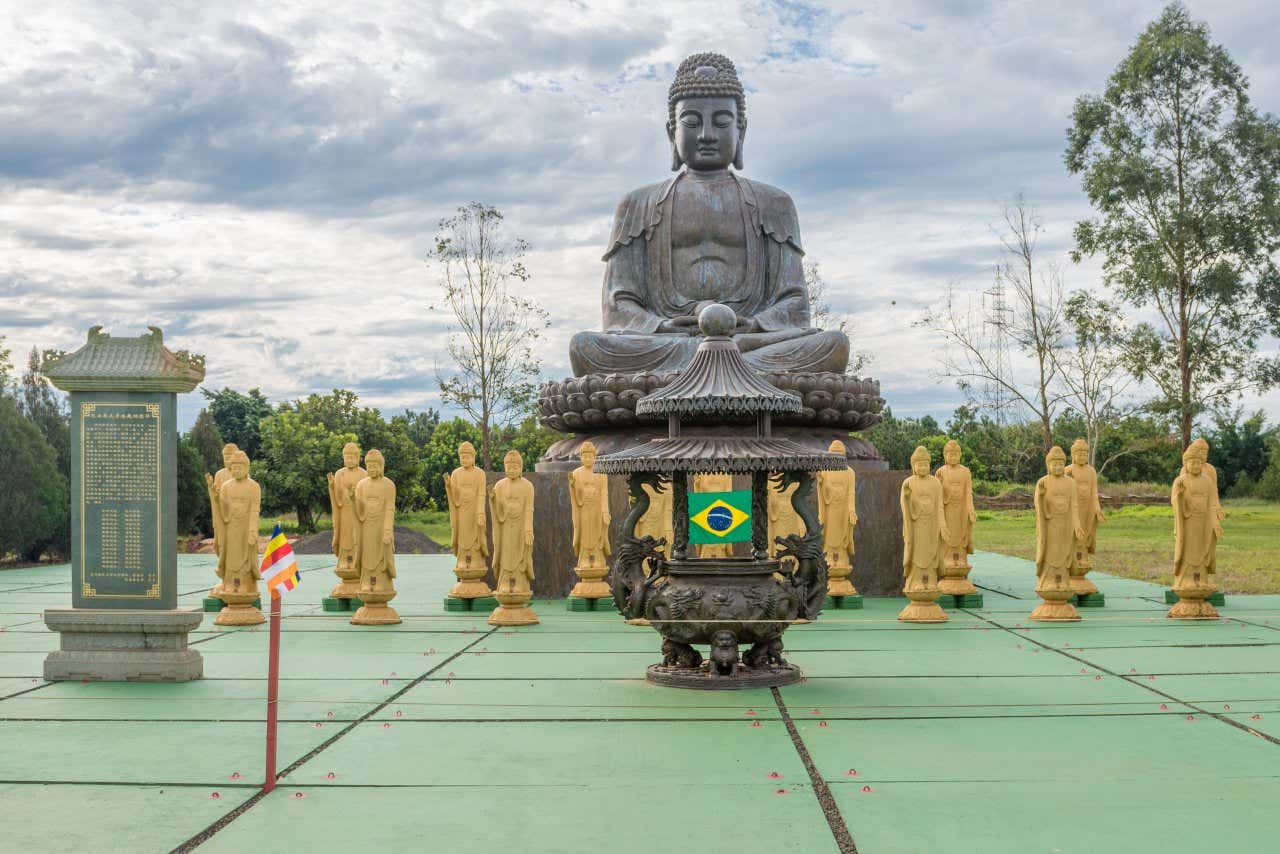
[(720, 517), (279, 568)]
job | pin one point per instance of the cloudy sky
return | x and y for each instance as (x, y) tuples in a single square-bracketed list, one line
[(263, 181)]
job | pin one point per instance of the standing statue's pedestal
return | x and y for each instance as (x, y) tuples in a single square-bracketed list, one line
[(101, 645), (124, 623)]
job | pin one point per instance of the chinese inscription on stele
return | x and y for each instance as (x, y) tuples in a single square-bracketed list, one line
[(120, 499)]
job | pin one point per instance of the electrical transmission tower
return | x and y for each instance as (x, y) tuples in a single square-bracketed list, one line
[(997, 319)]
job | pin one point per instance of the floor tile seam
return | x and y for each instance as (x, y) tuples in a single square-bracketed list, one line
[(1180, 646), (826, 800), (1043, 780), (186, 784), (1251, 623), (195, 841), (27, 690), (1141, 684)]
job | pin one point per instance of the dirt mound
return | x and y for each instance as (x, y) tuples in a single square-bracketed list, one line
[(408, 542)]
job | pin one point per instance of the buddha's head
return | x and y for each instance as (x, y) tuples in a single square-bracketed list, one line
[(706, 114), (836, 447), (921, 461), (375, 463), (1201, 448), (239, 465), (587, 453), (951, 453), (513, 464), (1080, 452), (351, 455), (228, 451), (1056, 461), (1192, 461), (467, 455)]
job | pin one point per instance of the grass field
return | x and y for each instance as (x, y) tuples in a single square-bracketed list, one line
[(1137, 542)]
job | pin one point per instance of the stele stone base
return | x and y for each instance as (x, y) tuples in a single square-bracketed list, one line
[(100, 645)]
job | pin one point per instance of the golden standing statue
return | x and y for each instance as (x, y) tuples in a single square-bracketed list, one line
[(783, 519), (838, 513), (213, 484), (957, 508), (589, 504), (1057, 532), (342, 511), (373, 502), (511, 506), (713, 483), (1089, 506), (1201, 448), (924, 532), (1197, 527), (239, 505), (657, 521), (465, 488)]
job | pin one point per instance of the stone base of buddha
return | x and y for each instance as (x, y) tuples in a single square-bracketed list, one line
[(1193, 603), (348, 586), (1082, 586), (957, 585), (239, 609), (513, 610), (923, 607), (375, 611), (471, 583), (838, 583), (1055, 611)]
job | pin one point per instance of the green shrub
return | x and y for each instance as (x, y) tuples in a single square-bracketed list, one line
[(35, 505)]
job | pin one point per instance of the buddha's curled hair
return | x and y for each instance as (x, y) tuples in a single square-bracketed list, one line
[(707, 75)]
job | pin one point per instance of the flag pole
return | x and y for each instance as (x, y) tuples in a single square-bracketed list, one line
[(273, 690)]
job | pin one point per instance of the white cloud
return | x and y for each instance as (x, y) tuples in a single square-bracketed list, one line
[(263, 180)]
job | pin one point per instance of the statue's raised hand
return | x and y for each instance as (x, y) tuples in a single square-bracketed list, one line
[(208, 480)]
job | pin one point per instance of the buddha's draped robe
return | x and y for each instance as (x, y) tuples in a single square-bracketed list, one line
[(344, 516), (511, 506), (1088, 504), (466, 511), (922, 520), (640, 291), (375, 511), (1057, 517), (240, 502), (589, 502), (957, 504), (836, 495), (1195, 516)]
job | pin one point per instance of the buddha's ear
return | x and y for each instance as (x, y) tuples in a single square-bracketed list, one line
[(737, 155), (676, 162)]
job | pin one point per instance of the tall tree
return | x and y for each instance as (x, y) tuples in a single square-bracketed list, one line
[(34, 505), (239, 417), (1033, 323), (5, 367), (207, 440), (46, 408), (1094, 369), (1183, 174), (493, 328)]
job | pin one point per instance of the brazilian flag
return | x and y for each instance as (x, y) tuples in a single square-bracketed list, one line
[(720, 517)]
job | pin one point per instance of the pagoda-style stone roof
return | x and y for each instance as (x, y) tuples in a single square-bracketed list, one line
[(124, 364), (718, 384), (719, 455)]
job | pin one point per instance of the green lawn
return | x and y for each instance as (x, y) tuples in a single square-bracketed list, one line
[(433, 523), (1137, 542)]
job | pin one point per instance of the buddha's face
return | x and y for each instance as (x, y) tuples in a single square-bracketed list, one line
[(1057, 466), (1195, 465), (227, 454), (239, 469), (588, 458), (1079, 456), (374, 467), (920, 467), (1202, 454), (513, 468), (351, 457), (706, 132), (466, 458), (951, 456)]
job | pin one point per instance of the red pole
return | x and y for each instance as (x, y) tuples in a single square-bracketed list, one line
[(273, 691)]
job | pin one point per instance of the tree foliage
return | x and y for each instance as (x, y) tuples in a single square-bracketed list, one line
[(46, 407), (34, 502), (1182, 171), (493, 328), (292, 467), (194, 515), (239, 417), (208, 441)]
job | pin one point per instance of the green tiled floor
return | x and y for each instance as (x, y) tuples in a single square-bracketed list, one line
[(989, 733)]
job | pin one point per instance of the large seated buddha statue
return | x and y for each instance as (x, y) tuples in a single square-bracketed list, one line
[(706, 235)]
